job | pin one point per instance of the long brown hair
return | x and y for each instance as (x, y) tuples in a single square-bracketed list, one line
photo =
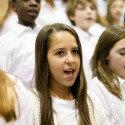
[(7, 98), (99, 64), (79, 89)]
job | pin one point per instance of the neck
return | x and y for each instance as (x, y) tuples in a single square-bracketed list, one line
[(32, 25), (63, 93)]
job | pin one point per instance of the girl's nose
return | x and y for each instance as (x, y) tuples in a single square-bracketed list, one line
[(69, 59)]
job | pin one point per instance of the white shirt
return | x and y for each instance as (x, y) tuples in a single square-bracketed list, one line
[(65, 112), (25, 109), (88, 43), (114, 107), (5, 59), (20, 42), (50, 15), (102, 7), (96, 30), (9, 22)]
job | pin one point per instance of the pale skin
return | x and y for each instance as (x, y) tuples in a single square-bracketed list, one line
[(85, 16), (116, 11), (116, 58), (64, 63)]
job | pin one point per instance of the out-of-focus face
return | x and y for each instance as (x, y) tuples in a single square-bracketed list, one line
[(27, 11), (63, 59), (85, 15), (116, 9), (116, 58)]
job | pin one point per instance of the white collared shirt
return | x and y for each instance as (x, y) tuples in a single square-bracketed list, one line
[(20, 42), (114, 107)]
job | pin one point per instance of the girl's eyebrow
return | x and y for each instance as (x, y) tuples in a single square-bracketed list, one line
[(64, 48), (75, 48), (121, 48)]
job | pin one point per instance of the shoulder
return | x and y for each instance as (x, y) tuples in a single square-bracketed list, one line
[(35, 106), (33, 95), (97, 114), (19, 88)]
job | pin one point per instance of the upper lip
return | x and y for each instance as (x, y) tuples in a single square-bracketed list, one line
[(71, 69)]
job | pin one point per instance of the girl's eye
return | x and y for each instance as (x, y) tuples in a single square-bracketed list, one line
[(75, 51), (60, 53), (122, 54)]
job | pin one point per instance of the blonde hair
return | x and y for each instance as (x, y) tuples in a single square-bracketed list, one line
[(4, 6), (7, 98)]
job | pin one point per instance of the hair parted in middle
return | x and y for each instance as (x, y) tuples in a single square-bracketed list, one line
[(99, 63), (79, 88)]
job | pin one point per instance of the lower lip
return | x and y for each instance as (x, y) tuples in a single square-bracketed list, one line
[(32, 14), (69, 76)]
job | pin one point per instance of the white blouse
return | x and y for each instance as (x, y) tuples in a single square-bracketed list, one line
[(25, 109), (113, 106), (65, 112)]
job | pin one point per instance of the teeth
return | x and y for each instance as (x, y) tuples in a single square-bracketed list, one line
[(69, 70)]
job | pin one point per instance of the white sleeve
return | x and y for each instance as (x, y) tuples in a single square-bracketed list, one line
[(26, 117), (99, 116), (97, 87)]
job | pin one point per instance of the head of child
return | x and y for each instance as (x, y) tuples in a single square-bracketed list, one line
[(115, 10), (82, 13), (58, 68), (27, 11), (108, 61)]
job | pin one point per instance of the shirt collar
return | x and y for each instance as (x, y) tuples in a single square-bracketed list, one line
[(19, 29)]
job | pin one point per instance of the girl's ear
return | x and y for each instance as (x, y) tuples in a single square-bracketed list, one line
[(107, 57), (71, 18)]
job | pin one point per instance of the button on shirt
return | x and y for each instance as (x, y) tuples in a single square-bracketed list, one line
[(114, 107), (20, 42)]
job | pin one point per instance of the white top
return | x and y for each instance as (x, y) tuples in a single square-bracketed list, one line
[(88, 43), (114, 107), (65, 112), (20, 42), (102, 7), (5, 59), (9, 22), (50, 15), (25, 109), (96, 30)]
